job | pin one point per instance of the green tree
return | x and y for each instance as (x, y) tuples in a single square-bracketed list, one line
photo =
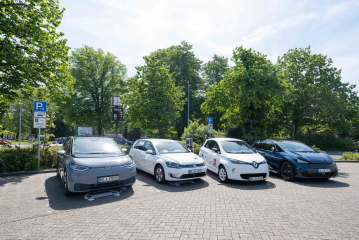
[(32, 53), (153, 100), (318, 97), (185, 69), (98, 77), (214, 70), (249, 94)]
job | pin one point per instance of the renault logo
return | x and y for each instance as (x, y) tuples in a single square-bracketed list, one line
[(255, 165), (107, 167)]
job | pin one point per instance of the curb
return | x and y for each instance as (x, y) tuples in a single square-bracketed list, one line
[(49, 170)]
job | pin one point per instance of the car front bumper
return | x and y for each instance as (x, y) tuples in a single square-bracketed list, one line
[(85, 181), (180, 174), (243, 172), (311, 171)]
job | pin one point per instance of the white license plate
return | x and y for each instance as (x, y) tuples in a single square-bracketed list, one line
[(108, 179), (323, 170), (255, 178), (194, 171)]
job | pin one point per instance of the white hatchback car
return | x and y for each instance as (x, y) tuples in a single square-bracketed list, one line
[(232, 158), (168, 160)]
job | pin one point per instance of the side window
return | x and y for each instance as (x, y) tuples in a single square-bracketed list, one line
[(68, 146), (66, 143), (269, 145), (215, 145), (140, 145), (208, 144), (149, 146)]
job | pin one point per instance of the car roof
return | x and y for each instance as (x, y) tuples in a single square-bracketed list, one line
[(225, 139), (157, 140)]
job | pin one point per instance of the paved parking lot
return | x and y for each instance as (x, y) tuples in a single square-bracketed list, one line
[(34, 207)]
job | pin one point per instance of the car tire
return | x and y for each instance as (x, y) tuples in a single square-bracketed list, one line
[(222, 174), (66, 187), (287, 171), (160, 174)]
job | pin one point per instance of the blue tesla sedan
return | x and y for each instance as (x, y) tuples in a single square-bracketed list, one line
[(293, 159)]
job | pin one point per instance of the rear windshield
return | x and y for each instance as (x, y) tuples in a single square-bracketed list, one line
[(95, 146)]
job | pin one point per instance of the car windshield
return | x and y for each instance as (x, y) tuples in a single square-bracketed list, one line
[(95, 146), (170, 147), (236, 147), (294, 147)]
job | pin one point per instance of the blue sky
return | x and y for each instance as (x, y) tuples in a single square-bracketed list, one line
[(133, 29)]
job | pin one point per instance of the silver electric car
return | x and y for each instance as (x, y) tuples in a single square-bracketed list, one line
[(94, 163)]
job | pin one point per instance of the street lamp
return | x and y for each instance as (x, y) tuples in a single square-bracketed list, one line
[(188, 106), (20, 124)]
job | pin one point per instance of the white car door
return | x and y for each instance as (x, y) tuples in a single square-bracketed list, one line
[(206, 154), (149, 159), (137, 154)]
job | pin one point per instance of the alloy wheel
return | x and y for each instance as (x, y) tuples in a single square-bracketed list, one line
[(222, 174), (159, 174), (287, 171)]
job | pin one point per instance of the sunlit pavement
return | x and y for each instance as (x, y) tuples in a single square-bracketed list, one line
[(34, 207)]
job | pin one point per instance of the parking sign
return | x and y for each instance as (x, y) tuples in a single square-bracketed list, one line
[(210, 120), (39, 106)]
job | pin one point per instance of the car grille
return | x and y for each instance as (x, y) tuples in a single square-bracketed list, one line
[(315, 174), (191, 165), (246, 176), (193, 175), (90, 187)]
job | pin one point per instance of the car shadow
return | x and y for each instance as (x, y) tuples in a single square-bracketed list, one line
[(182, 186), (12, 179), (315, 182), (243, 185), (58, 201)]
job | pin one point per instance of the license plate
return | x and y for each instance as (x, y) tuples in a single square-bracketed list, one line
[(255, 178), (108, 179), (194, 171), (323, 170)]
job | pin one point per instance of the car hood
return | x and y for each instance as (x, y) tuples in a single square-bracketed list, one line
[(254, 157), (102, 161), (182, 158), (313, 157)]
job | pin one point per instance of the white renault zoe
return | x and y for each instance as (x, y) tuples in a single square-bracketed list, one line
[(168, 160), (232, 158)]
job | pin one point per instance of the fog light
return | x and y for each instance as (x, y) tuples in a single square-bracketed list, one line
[(173, 175)]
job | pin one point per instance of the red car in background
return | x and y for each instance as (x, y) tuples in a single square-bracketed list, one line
[(4, 142)]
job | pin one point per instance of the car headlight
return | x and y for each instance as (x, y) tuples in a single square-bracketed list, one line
[(263, 162), (173, 165), (236, 161), (128, 164), (301, 161), (76, 167)]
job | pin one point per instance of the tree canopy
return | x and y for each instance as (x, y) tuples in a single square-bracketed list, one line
[(32, 53), (153, 100), (98, 76)]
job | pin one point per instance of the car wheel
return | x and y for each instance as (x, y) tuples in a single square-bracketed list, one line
[(66, 187), (160, 174), (287, 171), (222, 174)]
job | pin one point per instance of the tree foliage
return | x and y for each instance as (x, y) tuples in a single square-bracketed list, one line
[(214, 70), (32, 53), (318, 97), (249, 94), (98, 77), (153, 99)]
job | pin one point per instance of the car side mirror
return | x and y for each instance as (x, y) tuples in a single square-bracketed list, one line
[(273, 150), (124, 150), (149, 152), (61, 152), (216, 150)]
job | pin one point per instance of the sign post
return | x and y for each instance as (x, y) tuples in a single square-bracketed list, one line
[(210, 126), (39, 122), (116, 112)]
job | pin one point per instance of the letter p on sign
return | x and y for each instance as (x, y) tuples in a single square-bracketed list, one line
[(39, 106)]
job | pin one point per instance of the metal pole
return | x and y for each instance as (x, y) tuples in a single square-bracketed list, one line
[(188, 107), (20, 124), (116, 130), (38, 150)]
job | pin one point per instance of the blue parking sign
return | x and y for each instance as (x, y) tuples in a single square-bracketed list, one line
[(210, 120), (40, 106)]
